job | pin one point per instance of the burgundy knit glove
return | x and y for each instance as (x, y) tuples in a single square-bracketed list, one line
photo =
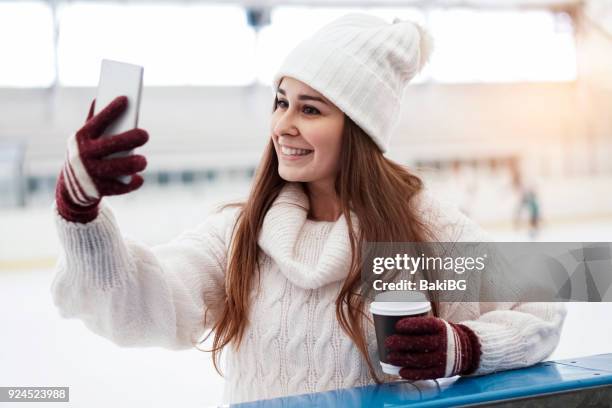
[(429, 347), (87, 174)]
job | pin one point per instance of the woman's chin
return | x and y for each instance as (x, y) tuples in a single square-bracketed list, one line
[(291, 175), (291, 179)]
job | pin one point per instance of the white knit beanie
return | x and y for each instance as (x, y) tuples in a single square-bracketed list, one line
[(362, 64)]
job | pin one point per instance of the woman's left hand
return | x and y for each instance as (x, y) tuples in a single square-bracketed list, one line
[(429, 347)]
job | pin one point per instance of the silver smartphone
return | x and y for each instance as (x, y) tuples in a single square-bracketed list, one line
[(119, 78)]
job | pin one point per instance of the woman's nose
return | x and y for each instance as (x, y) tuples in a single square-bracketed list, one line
[(286, 125)]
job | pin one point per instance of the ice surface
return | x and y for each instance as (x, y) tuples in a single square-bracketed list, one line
[(38, 348)]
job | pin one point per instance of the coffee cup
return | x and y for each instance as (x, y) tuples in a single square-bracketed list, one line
[(387, 309)]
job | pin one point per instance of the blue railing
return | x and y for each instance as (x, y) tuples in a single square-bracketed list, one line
[(575, 382)]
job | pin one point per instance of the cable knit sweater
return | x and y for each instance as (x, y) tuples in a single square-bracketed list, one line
[(137, 295)]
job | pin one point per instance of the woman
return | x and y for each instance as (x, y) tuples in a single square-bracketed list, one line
[(276, 279)]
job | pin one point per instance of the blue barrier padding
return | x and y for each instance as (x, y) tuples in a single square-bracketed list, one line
[(548, 377)]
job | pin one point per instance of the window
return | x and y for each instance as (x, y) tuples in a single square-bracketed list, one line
[(502, 46), (26, 44), (188, 44)]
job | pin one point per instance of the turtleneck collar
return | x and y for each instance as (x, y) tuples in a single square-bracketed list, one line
[(282, 240)]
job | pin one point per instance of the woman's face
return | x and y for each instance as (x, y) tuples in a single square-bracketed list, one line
[(307, 133)]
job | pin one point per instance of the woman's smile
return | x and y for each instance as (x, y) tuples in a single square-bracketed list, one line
[(294, 153)]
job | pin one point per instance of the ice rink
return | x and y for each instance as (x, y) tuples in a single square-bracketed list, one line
[(498, 121), (38, 348)]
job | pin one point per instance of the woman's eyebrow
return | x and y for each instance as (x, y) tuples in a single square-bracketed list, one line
[(303, 97)]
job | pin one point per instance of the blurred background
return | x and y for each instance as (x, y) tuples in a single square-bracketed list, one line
[(511, 120)]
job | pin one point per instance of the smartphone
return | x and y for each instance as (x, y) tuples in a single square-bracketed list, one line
[(119, 78)]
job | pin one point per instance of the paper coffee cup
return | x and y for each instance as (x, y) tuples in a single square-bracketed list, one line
[(387, 309)]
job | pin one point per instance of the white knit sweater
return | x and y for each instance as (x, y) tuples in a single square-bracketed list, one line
[(137, 295)]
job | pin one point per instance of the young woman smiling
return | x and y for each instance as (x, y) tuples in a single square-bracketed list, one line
[(276, 278)]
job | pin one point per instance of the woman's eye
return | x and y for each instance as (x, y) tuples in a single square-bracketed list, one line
[(307, 109), (313, 110)]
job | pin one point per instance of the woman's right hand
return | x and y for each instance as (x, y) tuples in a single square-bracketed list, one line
[(87, 175)]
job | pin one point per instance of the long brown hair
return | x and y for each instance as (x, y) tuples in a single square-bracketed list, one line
[(372, 187)]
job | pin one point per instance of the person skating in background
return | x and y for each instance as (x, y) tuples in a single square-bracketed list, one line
[(528, 200), (277, 278)]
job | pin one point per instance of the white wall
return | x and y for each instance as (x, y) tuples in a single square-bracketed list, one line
[(200, 127)]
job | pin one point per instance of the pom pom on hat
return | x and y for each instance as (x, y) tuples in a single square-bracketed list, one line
[(362, 64), (426, 45)]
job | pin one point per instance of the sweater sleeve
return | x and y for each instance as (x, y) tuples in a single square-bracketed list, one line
[(136, 295), (511, 334), (515, 335)]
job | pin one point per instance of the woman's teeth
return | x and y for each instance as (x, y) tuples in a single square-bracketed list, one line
[(294, 152)]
